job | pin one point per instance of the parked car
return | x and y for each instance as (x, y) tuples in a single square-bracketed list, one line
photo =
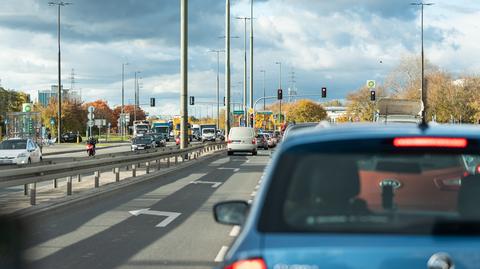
[(70, 137), (19, 151), (262, 141), (364, 196), (208, 134), (241, 139), (142, 143)]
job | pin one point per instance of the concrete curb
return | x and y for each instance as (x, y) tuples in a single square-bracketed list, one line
[(78, 197)]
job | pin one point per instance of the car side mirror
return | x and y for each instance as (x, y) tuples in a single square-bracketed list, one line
[(231, 212)]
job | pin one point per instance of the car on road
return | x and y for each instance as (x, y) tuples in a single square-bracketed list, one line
[(71, 137), (159, 140), (270, 140), (142, 143), (208, 134), (293, 127), (19, 151), (364, 196), (262, 141), (241, 139)]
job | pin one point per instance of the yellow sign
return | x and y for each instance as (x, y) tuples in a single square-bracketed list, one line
[(251, 111)]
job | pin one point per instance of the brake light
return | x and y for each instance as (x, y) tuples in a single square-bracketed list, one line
[(254, 141), (256, 263), (435, 142), (229, 141)]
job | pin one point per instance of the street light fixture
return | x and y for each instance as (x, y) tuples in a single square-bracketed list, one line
[(59, 4), (424, 96)]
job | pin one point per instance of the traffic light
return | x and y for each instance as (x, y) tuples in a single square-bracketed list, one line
[(280, 94), (152, 102), (372, 95), (224, 101), (324, 92), (192, 100), (251, 119)]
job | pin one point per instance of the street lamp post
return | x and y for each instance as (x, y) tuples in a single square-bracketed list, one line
[(245, 70), (122, 117), (251, 57), (136, 101), (183, 73), (263, 71), (280, 85), (59, 4), (227, 67), (218, 85), (424, 95)]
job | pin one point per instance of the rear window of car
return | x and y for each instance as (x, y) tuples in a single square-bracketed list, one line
[(241, 132), (376, 191)]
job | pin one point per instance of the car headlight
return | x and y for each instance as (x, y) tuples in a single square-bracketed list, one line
[(22, 155)]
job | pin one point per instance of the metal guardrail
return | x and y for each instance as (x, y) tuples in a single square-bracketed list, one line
[(29, 176)]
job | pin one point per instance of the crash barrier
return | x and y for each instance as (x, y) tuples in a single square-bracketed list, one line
[(30, 176)]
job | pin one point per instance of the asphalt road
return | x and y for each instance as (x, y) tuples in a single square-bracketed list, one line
[(103, 232)]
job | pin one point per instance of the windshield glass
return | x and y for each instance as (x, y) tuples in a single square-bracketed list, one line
[(208, 131), (393, 193), (142, 140), (13, 144)]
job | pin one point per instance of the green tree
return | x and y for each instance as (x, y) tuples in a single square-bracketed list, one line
[(306, 111), (359, 105)]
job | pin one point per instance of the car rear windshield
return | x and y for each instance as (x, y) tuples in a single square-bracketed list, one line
[(241, 132), (374, 192), (13, 144)]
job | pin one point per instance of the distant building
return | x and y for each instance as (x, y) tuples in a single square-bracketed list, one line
[(45, 96)]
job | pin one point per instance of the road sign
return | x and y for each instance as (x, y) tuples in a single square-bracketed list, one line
[(170, 216), (91, 109), (238, 112), (371, 84), (52, 121), (27, 107), (90, 116), (265, 112), (90, 123)]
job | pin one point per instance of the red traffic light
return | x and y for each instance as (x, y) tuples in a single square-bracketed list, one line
[(372, 95), (324, 92), (280, 94)]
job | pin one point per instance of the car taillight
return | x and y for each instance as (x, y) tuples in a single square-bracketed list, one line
[(254, 141), (434, 142), (229, 141), (256, 263)]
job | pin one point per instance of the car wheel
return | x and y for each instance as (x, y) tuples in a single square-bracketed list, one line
[(29, 161), (265, 148), (254, 153), (229, 153)]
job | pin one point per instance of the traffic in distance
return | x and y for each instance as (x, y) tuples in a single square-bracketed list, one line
[(239, 134)]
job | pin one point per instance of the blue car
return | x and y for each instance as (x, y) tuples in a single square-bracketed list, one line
[(364, 196)]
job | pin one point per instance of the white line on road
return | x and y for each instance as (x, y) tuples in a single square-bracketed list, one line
[(214, 184), (221, 254), (171, 216), (235, 231)]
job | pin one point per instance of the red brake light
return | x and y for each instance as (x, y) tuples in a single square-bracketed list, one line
[(254, 141), (256, 263), (435, 142), (229, 141)]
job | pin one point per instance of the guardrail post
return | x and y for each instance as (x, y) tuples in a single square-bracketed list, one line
[(25, 189), (168, 162), (134, 170), (176, 160), (158, 164), (69, 185), (97, 179), (147, 167), (33, 193), (117, 174), (79, 178), (55, 183)]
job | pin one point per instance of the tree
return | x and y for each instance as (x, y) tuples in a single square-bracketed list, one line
[(74, 116), (102, 110), (306, 111), (359, 105), (127, 109), (333, 103)]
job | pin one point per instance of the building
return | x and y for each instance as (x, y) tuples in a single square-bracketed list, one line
[(45, 96)]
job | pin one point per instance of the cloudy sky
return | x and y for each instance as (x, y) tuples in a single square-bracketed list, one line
[(338, 44)]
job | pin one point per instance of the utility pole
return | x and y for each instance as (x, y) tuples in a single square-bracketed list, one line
[(59, 4), (251, 58), (135, 101), (280, 85), (244, 70), (227, 68), (218, 85), (424, 95), (122, 118), (183, 73), (263, 71)]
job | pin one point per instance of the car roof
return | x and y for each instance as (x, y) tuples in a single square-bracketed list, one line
[(379, 131)]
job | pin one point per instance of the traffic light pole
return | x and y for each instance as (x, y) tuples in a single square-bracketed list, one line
[(184, 73)]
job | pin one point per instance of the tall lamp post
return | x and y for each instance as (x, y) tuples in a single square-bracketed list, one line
[(244, 70), (424, 95), (59, 4), (122, 117), (263, 71), (227, 67), (218, 85)]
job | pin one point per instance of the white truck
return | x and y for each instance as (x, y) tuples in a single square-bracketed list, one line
[(141, 127), (391, 110)]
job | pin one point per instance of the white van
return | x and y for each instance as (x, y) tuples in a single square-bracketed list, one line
[(241, 139)]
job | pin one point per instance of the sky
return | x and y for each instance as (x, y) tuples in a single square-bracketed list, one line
[(335, 44)]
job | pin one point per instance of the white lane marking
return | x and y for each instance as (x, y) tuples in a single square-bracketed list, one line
[(171, 216), (221, 254), (235, 231), (214, 184), (227, 168), (236, 170)]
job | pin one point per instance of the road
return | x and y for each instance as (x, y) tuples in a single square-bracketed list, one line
[(119, 230)]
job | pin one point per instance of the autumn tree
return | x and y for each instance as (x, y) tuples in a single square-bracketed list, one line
[(305, 111), (130, 110), (102, 110), (359, 105), (74, 116)]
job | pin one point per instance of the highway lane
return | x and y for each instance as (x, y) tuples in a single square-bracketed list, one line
[(103, 233)]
